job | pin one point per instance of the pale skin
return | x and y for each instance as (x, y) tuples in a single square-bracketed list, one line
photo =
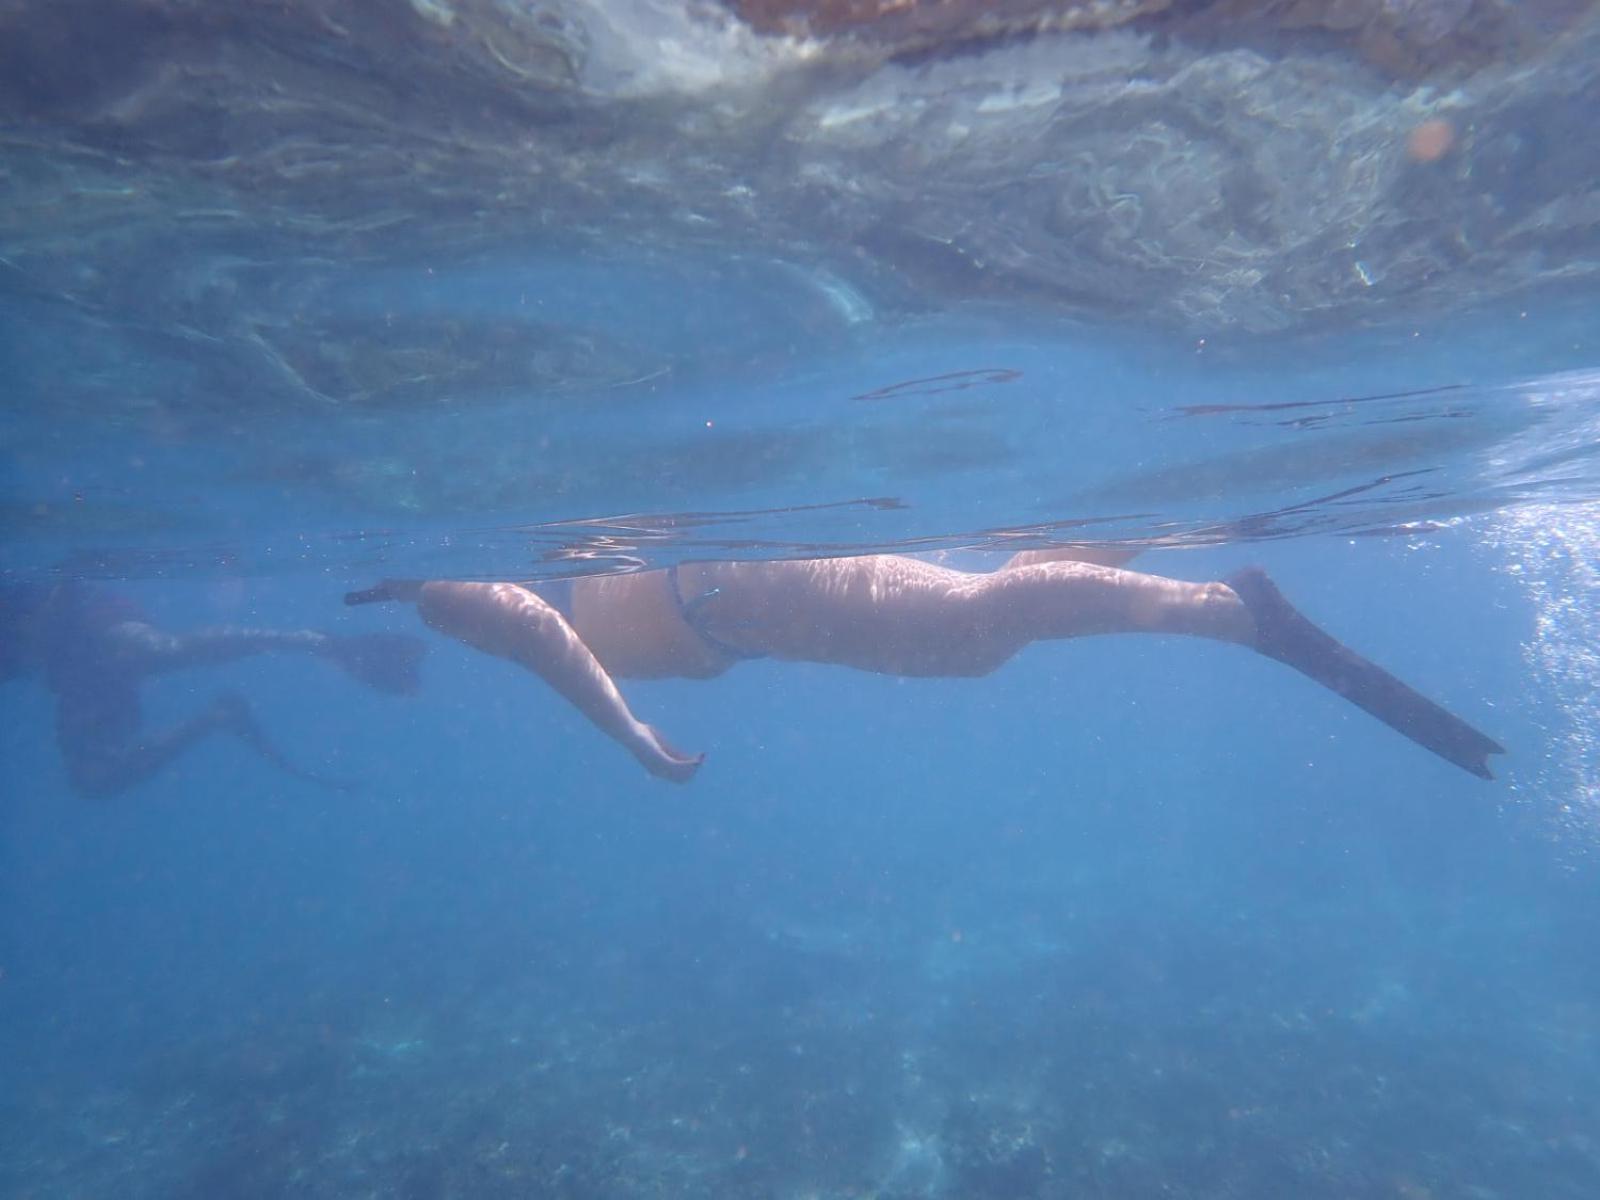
[(882, 613), (894, 616)]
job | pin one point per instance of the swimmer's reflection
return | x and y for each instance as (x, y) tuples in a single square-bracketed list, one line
[(95, 650), (889, 614)]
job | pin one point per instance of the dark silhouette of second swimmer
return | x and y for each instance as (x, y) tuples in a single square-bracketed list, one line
[(95, 650), (888, 614)]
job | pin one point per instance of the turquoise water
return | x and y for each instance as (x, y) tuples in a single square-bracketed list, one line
[(1133, 916)]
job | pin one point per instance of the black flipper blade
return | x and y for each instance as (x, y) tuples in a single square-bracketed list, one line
[(1286, 635)]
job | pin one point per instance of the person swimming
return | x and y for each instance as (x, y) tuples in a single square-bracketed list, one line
[(887, 614), (94, 649)]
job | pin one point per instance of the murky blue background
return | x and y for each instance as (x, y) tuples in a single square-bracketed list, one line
[(1132, 917)]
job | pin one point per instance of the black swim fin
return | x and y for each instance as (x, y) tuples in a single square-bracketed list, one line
[(234, 714), (385, 662), (1284, 634)]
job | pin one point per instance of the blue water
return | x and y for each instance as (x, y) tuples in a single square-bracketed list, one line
[(1132, 917)]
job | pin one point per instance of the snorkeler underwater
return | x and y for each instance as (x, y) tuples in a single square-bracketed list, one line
[(1142, 458), (94, 651), (889, 614)]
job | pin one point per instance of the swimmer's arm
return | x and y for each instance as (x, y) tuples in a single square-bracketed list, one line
[(512, 622)]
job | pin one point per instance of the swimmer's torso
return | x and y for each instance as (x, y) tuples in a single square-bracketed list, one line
[(633, 624), (877, 612)]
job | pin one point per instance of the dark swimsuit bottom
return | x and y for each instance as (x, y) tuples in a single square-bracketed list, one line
[(690, 611), (557, 593)]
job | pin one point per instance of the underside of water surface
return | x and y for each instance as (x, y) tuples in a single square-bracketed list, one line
[(487, 265)]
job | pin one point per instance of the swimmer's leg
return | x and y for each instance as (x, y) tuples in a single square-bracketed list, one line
[(106, 751), (1072, 598), (104, 746), (385, 662), (1284, 634), (903, 616), (1248, 610), (907, 617), (512, 622)]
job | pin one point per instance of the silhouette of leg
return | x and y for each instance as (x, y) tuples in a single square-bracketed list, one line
[(103, 743), (107, 750), (385, 662)]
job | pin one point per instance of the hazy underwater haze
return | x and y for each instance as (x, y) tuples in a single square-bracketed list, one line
[(300, 296)]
